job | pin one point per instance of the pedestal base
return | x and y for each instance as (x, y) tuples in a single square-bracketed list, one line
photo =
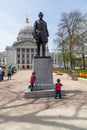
[(41, 94)]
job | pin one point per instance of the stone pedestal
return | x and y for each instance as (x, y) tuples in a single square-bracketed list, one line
[(43, 69), (44, 86)]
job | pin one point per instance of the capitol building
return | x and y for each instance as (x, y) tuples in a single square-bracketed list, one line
[(23, 50)]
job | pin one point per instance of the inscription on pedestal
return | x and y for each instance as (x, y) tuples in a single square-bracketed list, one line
[(43, 68)]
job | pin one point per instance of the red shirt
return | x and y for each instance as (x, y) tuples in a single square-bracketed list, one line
[(32, 79), (57, 86)]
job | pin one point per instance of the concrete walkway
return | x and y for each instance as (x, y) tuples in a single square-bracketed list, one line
[(18, 113)]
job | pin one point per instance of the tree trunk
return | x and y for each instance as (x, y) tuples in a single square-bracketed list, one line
[(83, 57)]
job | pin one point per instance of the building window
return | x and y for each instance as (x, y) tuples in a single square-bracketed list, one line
[(27, 61), (18, 50), (27, 50), (32, 55), (23, 55), (18, 61), (22, 61), (32, 50), (23, 50), (18, 55), (27, 55)]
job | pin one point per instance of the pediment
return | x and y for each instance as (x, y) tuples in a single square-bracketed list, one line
[(24, 43)]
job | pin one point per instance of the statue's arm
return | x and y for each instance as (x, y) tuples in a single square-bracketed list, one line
[(47, 30)]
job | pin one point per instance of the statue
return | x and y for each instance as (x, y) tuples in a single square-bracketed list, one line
[(40, 34)]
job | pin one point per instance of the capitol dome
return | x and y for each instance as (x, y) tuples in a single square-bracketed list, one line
[(25, 32)]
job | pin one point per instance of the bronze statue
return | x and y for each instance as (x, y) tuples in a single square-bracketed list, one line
[(40, 34)]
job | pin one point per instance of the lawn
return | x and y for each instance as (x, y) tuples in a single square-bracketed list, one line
[(80, 72)]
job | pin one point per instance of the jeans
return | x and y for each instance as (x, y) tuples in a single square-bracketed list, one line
[(57, 92), (0, 77), (31, 86)]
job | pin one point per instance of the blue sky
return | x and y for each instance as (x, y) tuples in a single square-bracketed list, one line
[(13, 14)]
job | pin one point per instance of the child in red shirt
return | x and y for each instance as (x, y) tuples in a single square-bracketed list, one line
[(58, 89), (32, 81)]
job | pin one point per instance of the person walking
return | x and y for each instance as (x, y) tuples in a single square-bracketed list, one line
[(1, 71), (32, 80), (9, 72), (58, 89)]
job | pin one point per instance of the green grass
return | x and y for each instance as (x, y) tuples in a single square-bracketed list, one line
[(80, 70), (68, 70)]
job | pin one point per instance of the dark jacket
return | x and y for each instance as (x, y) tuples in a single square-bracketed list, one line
[(40, 32)]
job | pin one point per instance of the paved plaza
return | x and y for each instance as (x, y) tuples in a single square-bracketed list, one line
[(18, 113)]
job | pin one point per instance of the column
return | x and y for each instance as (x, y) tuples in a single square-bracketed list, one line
[(25, 57), (41, 50), (34, 51), (15, 57), (30, 56)]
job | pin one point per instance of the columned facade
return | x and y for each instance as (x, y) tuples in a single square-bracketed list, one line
[(24, 57)]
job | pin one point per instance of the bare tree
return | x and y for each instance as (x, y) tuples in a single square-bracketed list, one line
[(72, 24), (83, 45), (61, 42)]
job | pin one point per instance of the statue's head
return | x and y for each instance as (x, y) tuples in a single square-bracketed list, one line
[(40, 15)]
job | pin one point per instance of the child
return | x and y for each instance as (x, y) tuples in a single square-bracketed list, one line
[(58, 89), (9, 72), (32, 81)]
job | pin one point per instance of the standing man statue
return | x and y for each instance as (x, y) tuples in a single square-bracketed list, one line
[(40, 34)]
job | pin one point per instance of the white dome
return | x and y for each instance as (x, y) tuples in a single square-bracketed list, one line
[(25, 32), (26, 27)]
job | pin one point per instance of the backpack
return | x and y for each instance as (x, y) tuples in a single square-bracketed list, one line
[(57, 86)]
